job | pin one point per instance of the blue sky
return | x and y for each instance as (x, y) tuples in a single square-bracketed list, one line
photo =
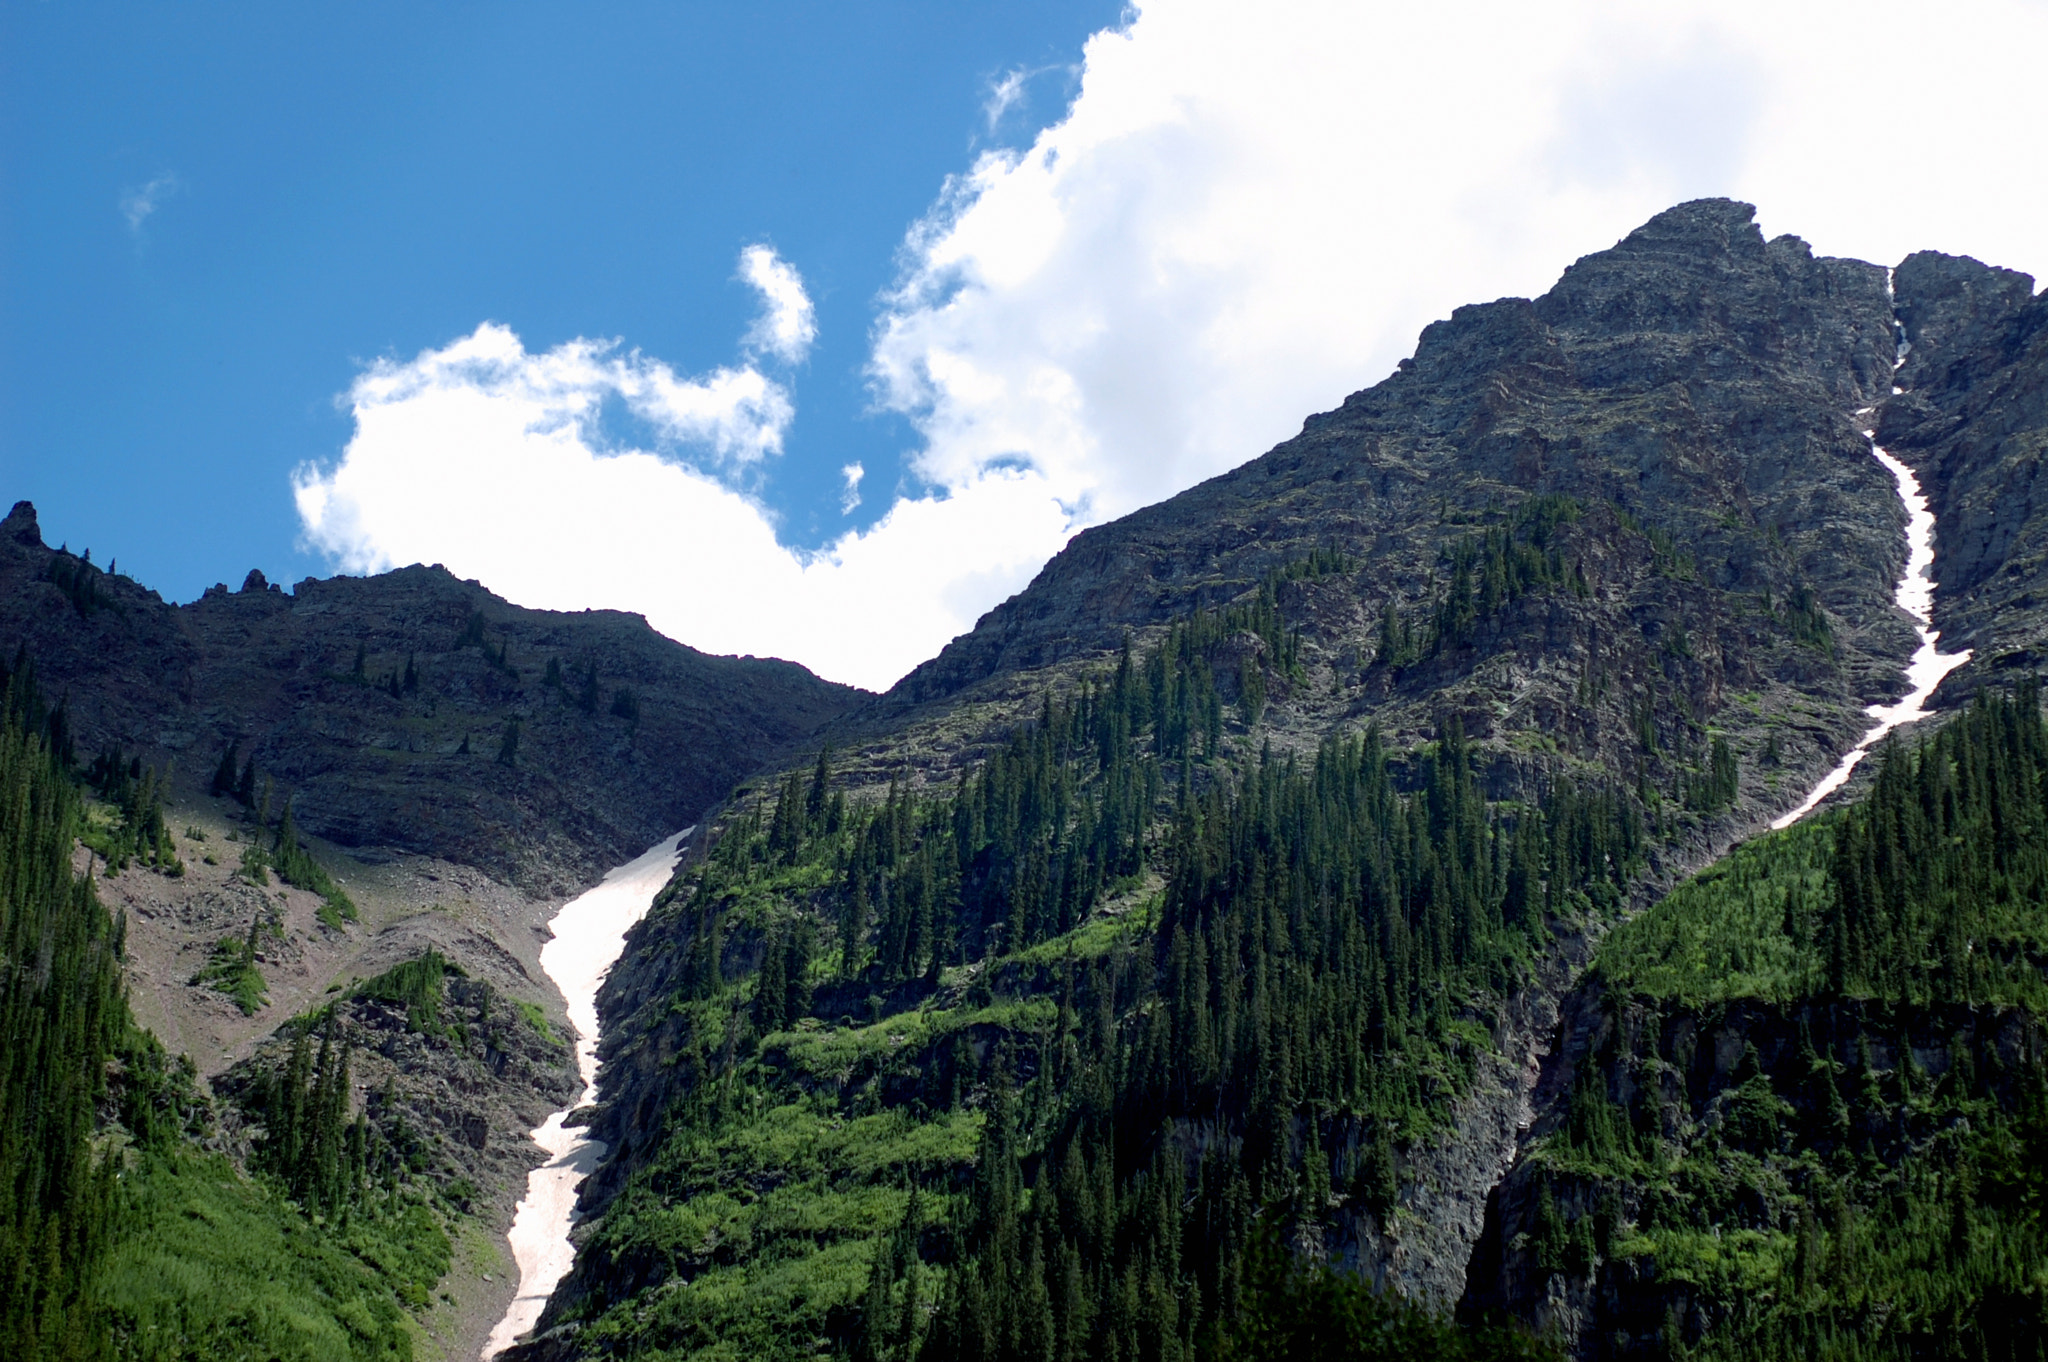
[(813, 330), (336, 183)]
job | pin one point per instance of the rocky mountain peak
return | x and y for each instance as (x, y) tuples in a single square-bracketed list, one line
[(1693, 375), (1948, 306), (20, 525)]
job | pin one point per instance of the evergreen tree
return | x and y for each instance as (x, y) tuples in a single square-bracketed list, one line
[(62, 1012)]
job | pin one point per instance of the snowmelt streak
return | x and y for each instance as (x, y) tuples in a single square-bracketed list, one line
[(589, 933), (1915, 595)]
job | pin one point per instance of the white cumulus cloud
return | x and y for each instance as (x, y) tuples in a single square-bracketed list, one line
[(1251, 211), (490, 458), (1247, 213)]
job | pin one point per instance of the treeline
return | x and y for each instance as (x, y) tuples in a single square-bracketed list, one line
[(1304, 945), (1940, 874), (1487, 572), (62, 1013)]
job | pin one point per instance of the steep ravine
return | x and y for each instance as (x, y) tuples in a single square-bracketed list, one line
[(1496, 1275), (587, 936)]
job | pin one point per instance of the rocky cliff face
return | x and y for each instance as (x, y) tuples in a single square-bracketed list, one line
[(1674, 430), (1971, 416), (382, 707), (1693, 391), (455, 1093)]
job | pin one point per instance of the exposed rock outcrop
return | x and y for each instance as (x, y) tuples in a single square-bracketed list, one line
[(412, 711)]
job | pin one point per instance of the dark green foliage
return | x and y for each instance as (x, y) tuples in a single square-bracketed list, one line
[(625, 705), (1717, 786), (24, 708), (231, 969), (224, 774), (474, 635), (78, 579), (416, 985), (1298, 985), (61, 1013), (1807, 622), (295, 866), (1487, 572), (311, 1144), (508, 744), (138, 833), (1940, 875), (1868, 1176)]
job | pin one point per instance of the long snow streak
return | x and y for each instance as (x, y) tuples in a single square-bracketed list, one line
[(589, 934), (1915, 595)]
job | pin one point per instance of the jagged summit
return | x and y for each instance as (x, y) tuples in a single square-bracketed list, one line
[(1694, 379), (623, 735), (1623, 546)]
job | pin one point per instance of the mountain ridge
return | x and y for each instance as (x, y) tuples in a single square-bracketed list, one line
[(1627, 536)]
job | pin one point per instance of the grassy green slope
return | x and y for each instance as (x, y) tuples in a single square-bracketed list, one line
[(214, 1265), (1025, 1064), (1812, 1113)]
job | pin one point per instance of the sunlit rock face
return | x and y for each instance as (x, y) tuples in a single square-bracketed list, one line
[(1697, 392)]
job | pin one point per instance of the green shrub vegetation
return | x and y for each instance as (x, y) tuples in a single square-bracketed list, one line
[(136, 833), (1815, 1121), (1020, 1065), (418, 985), (214, 1266), (231, 969), (62, 1012), (119, 1237)]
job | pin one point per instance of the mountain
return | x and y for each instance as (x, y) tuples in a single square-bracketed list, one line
[(1327, 913), (380, 705), (295, 798), (1972, 416), (1237, 879)]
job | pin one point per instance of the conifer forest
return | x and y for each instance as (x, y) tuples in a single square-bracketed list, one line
[(1550, 862)]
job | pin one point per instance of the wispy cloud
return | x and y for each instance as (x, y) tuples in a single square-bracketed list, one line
[(850, 498), (1012, 88), (137, 204), (1004, 92), (788, 322)]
